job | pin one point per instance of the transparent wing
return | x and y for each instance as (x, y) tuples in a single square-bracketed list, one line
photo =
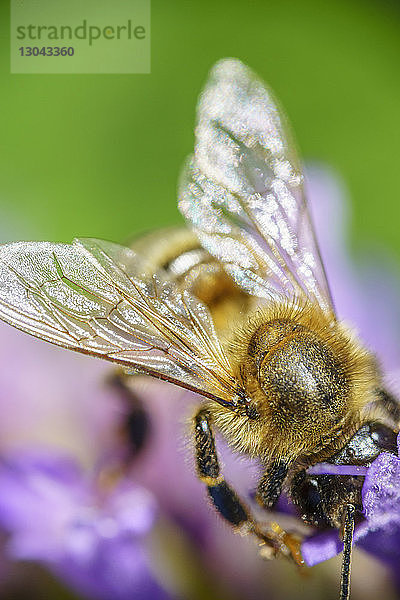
[(242, 190), (90, 296)]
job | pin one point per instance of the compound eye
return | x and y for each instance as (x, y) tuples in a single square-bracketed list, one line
[(383, 437)]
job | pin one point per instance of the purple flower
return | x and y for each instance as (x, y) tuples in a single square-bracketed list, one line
[(66, 496), (91, 537), (379, 534), (52, 397)]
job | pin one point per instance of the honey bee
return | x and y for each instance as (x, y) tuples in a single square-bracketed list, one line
[(236, 308)]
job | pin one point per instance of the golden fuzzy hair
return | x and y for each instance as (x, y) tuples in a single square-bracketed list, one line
[(282, 431)]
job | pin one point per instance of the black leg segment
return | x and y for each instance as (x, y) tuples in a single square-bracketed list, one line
[(228, 504), (270, 486), (272, 539), (136, 427), (206, 454), (223, 496)]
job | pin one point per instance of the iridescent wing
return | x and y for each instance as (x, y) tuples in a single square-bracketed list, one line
[(90, 296), (242, 190)]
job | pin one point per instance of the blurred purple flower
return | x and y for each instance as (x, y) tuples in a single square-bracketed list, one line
[(90, 537), (66, 497)]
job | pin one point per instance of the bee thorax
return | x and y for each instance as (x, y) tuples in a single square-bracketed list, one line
[(302, 374), (307, 377)]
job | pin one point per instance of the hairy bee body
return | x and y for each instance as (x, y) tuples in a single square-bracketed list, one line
[(178, 252), (308, 376)]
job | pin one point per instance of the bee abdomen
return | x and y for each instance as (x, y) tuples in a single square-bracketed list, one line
[(177, 251)]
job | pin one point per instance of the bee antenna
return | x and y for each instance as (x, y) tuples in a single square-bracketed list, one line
[(347, 547)]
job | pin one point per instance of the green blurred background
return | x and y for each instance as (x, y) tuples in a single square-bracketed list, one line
[(99, 155)]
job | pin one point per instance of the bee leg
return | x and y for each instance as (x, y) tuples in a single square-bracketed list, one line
[(390, 405), (274, 541), (136, 426), (270, 487)]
